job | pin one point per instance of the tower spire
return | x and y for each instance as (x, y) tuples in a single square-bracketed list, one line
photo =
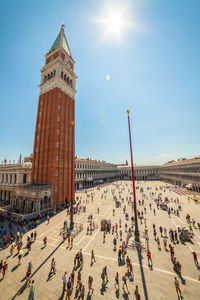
[(61, 41)]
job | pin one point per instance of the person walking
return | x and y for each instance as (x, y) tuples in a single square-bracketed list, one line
[(106, 274), (161, 230), (90, 280), (32, 291), (178, 291), (78, 279), (82, 294), (35, 235), (69, 285), (92, 257), (195, 259), (117, 280), (53, 266), (103, 277), (165, 243), (19, 258), (165, 232), (137, 295), (158, 243), (45, 241), (72, 242), (64, 280), (72, 278), (30, 266), (68, 240), (32, 237), (28, 279), (5, 267), (124, 279), (12, 249), (149, 257)]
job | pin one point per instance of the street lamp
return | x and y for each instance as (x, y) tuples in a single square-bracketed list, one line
[(72, 177), (133, 180)]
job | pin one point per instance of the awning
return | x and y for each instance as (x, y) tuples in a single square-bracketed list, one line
[(188, 186)]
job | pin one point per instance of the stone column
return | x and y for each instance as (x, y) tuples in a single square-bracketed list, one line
[(19, 178)]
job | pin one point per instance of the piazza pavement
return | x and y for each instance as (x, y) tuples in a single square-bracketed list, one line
[(154, 283)]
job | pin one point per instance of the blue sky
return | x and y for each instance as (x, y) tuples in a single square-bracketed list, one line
[(154, 71)]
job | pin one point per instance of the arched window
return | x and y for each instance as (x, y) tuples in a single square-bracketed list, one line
[(54, 72), (71, 83), (62, 74), (65, 77), (45, 78), (51, 74), (15, 178), (48, 76)]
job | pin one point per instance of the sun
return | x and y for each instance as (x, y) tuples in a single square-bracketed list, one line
[(113, 22)]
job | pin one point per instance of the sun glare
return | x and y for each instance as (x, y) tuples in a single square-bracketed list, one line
[(113, 22)]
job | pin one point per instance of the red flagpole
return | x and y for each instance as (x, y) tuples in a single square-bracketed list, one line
[(133, 181), (72, 179)]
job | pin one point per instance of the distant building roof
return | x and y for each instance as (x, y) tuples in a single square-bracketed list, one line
[(93, 161), (182, 161)]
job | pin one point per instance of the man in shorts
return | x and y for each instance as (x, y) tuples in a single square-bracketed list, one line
[(176, 283), (124, 279), (149, 257)]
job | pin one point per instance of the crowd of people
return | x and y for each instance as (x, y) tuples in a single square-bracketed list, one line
[(121, 228)]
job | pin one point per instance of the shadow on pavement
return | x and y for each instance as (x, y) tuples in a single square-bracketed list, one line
[(117, 293), (20, 291), (142, 273), (103, 289), (62, 295), (14, 268)]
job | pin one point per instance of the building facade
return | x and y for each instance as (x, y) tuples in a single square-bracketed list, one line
[(140, 172), (53, 153), (92, 172), (12, 175), (17, 191), (182, 172)]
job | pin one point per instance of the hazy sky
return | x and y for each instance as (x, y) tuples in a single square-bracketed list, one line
[(150, 65)]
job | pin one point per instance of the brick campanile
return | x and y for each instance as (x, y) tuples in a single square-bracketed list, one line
[(54, 143)]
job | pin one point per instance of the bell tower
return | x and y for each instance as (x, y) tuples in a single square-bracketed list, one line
[(54, 143)]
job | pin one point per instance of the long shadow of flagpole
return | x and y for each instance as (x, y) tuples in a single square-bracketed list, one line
[(142, 271), (20, 291)]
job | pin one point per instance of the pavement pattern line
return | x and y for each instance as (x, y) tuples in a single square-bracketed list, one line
[(44, 233), (147, 267), (95, 235), (135, 264)]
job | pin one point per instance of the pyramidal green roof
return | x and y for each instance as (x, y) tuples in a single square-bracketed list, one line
[(61, 41)]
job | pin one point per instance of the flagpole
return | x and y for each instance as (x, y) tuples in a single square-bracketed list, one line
[(133, 181), (72, 180)]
